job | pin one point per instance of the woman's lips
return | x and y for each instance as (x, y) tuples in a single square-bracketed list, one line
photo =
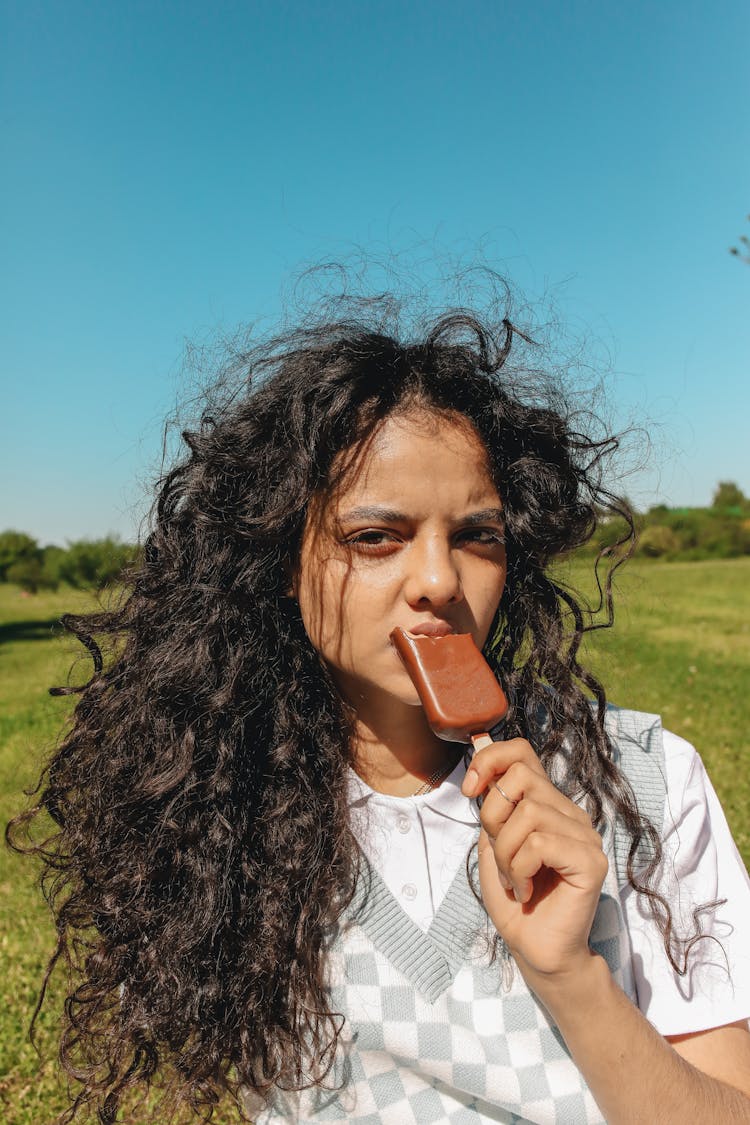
[(430, 629)]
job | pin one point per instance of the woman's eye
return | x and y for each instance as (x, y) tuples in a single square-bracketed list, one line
[(376, 541), (370, 539), (486, 536)]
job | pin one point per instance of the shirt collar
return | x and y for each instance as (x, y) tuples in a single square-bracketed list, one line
[(447, 800)]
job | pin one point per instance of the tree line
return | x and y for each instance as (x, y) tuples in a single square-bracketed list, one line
[(720, 531), (86, 564)]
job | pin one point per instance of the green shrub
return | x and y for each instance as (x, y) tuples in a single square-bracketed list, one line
[(658, 540), (93, 563), (15, 547), (28, 574)]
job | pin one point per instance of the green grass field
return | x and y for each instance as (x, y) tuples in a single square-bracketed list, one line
[(681, 646)]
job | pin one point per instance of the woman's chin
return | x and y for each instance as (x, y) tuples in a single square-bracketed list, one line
[(402, 698), (406, 695)]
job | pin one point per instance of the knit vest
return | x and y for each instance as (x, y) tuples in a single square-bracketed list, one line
[(435, 1031)]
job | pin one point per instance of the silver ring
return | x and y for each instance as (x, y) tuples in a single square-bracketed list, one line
[(502, 793)]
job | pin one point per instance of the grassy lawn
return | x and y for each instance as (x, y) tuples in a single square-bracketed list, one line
[(34, 654), (681, 646)]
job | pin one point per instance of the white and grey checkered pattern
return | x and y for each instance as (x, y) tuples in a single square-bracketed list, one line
[(433, 1032)]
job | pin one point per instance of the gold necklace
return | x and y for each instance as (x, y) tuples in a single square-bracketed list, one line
[(433, 781)]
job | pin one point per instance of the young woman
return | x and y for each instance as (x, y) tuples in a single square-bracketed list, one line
[(271, 875)]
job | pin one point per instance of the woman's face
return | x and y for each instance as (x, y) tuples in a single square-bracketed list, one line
[(413, 538)]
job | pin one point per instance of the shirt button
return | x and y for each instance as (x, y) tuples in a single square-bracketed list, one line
[(403, 824), (409, 891)]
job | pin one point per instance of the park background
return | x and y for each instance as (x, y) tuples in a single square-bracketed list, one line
[(172, 170)]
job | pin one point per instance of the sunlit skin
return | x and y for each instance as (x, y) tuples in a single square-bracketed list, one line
[(415, 536)]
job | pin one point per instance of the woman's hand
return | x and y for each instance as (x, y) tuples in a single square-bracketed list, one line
[(541, 864)]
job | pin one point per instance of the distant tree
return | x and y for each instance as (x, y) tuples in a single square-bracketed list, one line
[(728, 495), (15, 547), (610, 529), (52, 562), (28, 574), (93, 563), (37, 571), (657, 540)]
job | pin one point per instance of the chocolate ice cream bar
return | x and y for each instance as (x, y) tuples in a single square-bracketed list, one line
[(460, 695)]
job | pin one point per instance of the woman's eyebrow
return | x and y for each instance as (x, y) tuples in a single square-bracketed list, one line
[(486, 515), (373, 513), (389, 515)]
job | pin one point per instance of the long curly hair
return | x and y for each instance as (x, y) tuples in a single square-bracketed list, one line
[(201, 854)]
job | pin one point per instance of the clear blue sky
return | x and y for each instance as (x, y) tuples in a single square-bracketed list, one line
[(168, 167)]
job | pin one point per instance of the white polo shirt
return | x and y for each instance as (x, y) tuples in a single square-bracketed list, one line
[(418, 843)]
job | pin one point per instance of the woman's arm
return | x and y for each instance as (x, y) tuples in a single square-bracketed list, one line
[(541, 868), (721, 1052), (636, 1075)]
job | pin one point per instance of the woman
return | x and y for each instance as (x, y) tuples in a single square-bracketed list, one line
[(276, 880)]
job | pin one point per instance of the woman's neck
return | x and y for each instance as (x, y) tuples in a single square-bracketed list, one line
[(396, 754)]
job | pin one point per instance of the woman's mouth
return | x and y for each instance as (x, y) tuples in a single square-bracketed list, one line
[(430, 629)]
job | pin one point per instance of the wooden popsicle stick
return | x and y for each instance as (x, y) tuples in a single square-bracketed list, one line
[(479, 741)]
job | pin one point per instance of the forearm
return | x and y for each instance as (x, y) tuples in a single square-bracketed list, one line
[(634, 1074)]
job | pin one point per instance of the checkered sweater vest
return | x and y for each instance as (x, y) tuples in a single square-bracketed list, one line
[(433, 1032)]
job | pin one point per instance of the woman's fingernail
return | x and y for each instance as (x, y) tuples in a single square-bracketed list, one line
[(471, 783), (522, 893)]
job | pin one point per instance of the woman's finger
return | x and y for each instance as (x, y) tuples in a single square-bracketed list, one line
[(494, 760), (575, 861), (529, 818), (519, 782)]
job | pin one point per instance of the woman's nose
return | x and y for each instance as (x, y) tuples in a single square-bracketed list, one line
[(433, 575)]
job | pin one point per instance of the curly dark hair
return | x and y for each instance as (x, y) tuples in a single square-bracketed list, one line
[(202, 855)]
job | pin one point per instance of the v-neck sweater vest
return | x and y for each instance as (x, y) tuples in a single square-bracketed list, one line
[(435, 1032)]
